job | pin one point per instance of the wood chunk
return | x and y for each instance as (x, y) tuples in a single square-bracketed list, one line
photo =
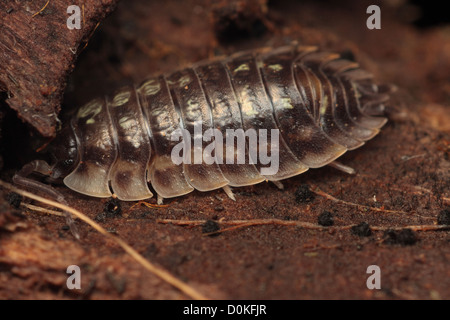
[(38, 51)]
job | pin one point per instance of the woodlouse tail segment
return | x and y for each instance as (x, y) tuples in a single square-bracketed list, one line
[(375, 97), (361, 92), (39, 166), (354, 84), (330, 119), (332, 70)]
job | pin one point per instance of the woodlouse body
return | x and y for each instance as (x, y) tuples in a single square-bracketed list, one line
[(322, 105)]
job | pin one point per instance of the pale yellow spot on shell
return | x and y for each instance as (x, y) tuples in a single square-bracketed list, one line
[(248, 109), (287, 103), (121, 98), (192, 104), (193, 111), (245, 101), (92, 108), (276, 67), (126, 123), (242, 67), (150, 87), (324, 105), (184, 81), (90, 121)]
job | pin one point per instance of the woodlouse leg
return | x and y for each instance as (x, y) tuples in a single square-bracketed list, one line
[(342, 167), (387, 88), (279, 184), (42, 167), (229, 192), (160, 199)]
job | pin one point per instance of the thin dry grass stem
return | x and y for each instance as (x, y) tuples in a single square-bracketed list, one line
[(236, 224), (43, 8), (149, 205), (42, 210), (425, 227), (321, 193), (422, 189), (158, 271), (228, 229), (418, 190), (90, 36)]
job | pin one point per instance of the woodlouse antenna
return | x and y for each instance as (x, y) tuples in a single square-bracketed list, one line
[(42, 167)]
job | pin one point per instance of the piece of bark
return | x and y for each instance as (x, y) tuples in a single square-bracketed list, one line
[(38, 51)]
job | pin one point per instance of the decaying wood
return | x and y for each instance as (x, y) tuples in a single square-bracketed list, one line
[(38, 51)]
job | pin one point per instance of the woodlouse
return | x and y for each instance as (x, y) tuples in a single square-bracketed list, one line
[(322, 104)]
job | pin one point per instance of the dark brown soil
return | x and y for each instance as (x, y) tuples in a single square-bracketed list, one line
[(403, 174)]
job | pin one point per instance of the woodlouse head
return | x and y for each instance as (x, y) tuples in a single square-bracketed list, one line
[(64, 153)]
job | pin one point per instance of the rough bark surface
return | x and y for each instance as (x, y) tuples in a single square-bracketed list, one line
[(38, 52)]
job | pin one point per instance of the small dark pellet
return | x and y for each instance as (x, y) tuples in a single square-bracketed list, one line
[(210, 226), (325, 219), (362, 230), (304, 194), (14, 199), (404, 237), (444, 217), (348, 54), (113, 207)]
